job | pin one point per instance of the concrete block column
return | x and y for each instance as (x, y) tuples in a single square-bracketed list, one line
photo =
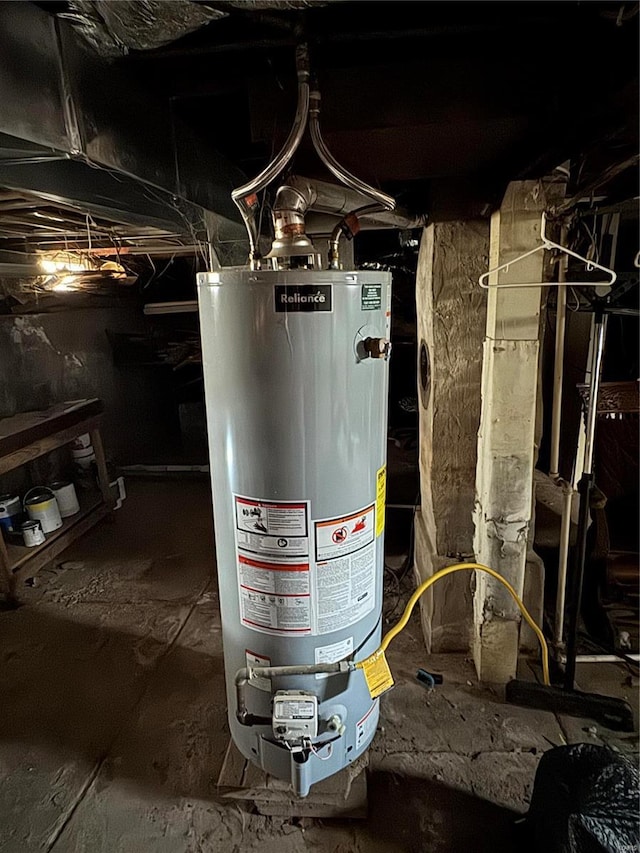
[(507, 435), (451, 311)]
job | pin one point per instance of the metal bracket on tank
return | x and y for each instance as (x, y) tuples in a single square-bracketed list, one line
[(300, 765)]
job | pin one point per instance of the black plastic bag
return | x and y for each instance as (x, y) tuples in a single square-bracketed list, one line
[(585, 800)]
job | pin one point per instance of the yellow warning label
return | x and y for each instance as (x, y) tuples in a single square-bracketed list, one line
[(381, 493), (377, 673)]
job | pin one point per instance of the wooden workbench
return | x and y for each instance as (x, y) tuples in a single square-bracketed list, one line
[(27, 436)]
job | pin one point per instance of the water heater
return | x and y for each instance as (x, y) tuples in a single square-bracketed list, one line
[(296, 376), (296, 382)]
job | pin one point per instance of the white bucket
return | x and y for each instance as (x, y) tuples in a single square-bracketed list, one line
[(81, 441), (84, 457), (66, 497), (43, 507), (32, 534)]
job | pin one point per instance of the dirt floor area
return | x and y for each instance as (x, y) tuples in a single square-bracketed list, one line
[(113, 714)]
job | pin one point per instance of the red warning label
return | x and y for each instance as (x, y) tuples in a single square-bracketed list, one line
[(345, 572), (338, 537), (272, 549), (270, 518), (274, 598)]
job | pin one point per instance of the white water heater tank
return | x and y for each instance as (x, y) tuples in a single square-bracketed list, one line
[(296, 380)]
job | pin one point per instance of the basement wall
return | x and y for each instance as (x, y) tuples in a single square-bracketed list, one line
[(52, 357)]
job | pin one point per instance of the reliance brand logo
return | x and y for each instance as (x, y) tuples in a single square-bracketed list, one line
[(301, 298)]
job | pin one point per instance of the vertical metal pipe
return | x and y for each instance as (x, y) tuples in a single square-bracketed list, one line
[(558, 363), (585, 487), (600, 329), (563, 560)]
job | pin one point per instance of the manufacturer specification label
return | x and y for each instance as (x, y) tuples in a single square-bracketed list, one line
[(333, 653), (272, 553), (292, 298), (371, 298), (345, 569)]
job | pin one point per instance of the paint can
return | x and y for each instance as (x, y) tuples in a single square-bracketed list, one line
[(81, 442), (84, 457), (66, 498), (32, 533), (40, 505), (10, 512)]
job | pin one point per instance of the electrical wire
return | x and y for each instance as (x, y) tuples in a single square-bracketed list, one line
[(459, 567), (322, 757)]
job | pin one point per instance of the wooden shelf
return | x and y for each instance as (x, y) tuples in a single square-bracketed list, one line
[(30, 435), (24, 562)]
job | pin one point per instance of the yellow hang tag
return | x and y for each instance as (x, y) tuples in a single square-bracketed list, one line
[(381, 493), (377, 673)]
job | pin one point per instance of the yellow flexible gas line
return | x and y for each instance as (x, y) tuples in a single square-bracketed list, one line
[(459, 567)]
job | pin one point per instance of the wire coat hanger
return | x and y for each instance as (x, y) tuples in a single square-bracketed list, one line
[(547, 245)]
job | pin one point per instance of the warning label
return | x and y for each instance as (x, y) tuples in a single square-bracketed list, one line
[(381, 494), (345, 569), (268, 577), (270, 518), (277, 547), (337, 537), (272, 541), (274, 598), (366, 726), (271, 614), (345, 589)]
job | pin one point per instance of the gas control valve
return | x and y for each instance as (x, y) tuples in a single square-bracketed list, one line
[(295, 716)]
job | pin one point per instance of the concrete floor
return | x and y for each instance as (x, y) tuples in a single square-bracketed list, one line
[(113, 717)]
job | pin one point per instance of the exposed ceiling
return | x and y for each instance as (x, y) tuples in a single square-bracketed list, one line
[(440, 103)]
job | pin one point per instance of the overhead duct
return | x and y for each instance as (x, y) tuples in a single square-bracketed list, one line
[(68, 104), (337, 200), (114, 28)]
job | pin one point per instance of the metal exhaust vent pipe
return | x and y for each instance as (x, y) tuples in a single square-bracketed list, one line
[(291, 201)]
